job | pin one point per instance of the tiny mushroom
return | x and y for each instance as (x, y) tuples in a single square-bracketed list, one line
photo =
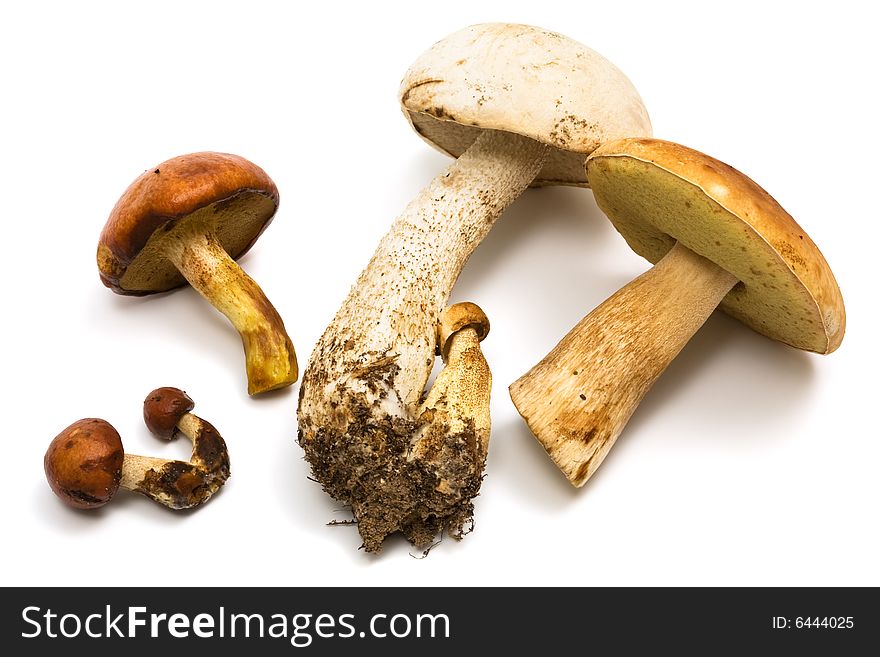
[(189, 219), (85, 463), (457, 405), (164, 408), (517, 105), (718, 240)]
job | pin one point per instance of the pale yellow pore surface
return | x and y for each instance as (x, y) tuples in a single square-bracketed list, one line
[(657, 192), (524, 80), (578, 399)]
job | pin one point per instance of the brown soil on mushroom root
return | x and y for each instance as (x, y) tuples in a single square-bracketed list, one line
[(368, 466)]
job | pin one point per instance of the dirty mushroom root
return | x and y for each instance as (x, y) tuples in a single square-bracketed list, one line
[(718, 240), (517, 106), (188, 220), (416, 476), (85, 463)]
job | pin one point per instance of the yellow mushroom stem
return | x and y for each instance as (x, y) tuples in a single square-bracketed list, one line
[(202, 260), (578, 399)]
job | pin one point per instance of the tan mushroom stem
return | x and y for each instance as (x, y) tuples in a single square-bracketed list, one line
[(202, 260), (181, 484), (458, 401), (578, 399), (361, 398)]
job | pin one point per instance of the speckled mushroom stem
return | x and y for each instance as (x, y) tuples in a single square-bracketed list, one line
[(459, 402), (395, 304), (366, 376), (269, 353), (466, 371), (578, 399), (181, 484)]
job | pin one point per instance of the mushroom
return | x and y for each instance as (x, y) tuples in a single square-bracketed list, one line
[(455, 414), (85, 463), (191, 218), (164, 408), (518, 106), (718, 240)]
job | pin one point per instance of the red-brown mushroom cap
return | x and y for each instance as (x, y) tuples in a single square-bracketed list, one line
[(233, 196), (84, 463), (163, 409)]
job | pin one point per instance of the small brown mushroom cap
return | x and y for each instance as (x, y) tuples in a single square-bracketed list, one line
[(231, 196), (657, 193), (524, 80), (84, 463), (455, 318), (163, 409)]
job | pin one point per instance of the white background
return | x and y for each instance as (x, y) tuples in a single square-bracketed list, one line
[(748, 463)]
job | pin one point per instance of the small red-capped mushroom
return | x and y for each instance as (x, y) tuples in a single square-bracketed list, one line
[(86, 464), (188, 221), (163, 409)]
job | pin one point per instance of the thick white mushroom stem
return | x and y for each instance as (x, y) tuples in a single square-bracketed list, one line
[(578, 399), (181, 484), (202, 260), (360, 401)]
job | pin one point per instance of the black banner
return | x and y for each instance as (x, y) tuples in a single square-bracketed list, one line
[(418, 621)]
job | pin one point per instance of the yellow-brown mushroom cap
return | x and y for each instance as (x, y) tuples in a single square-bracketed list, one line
[(456, 317), (234, 198), (524, 80), (658, 192)]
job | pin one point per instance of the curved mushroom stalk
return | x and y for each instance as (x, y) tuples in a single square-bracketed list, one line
[(390, 317), (189, 220), (270, 358), (181, 484), (86, 464), (360, 411)]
